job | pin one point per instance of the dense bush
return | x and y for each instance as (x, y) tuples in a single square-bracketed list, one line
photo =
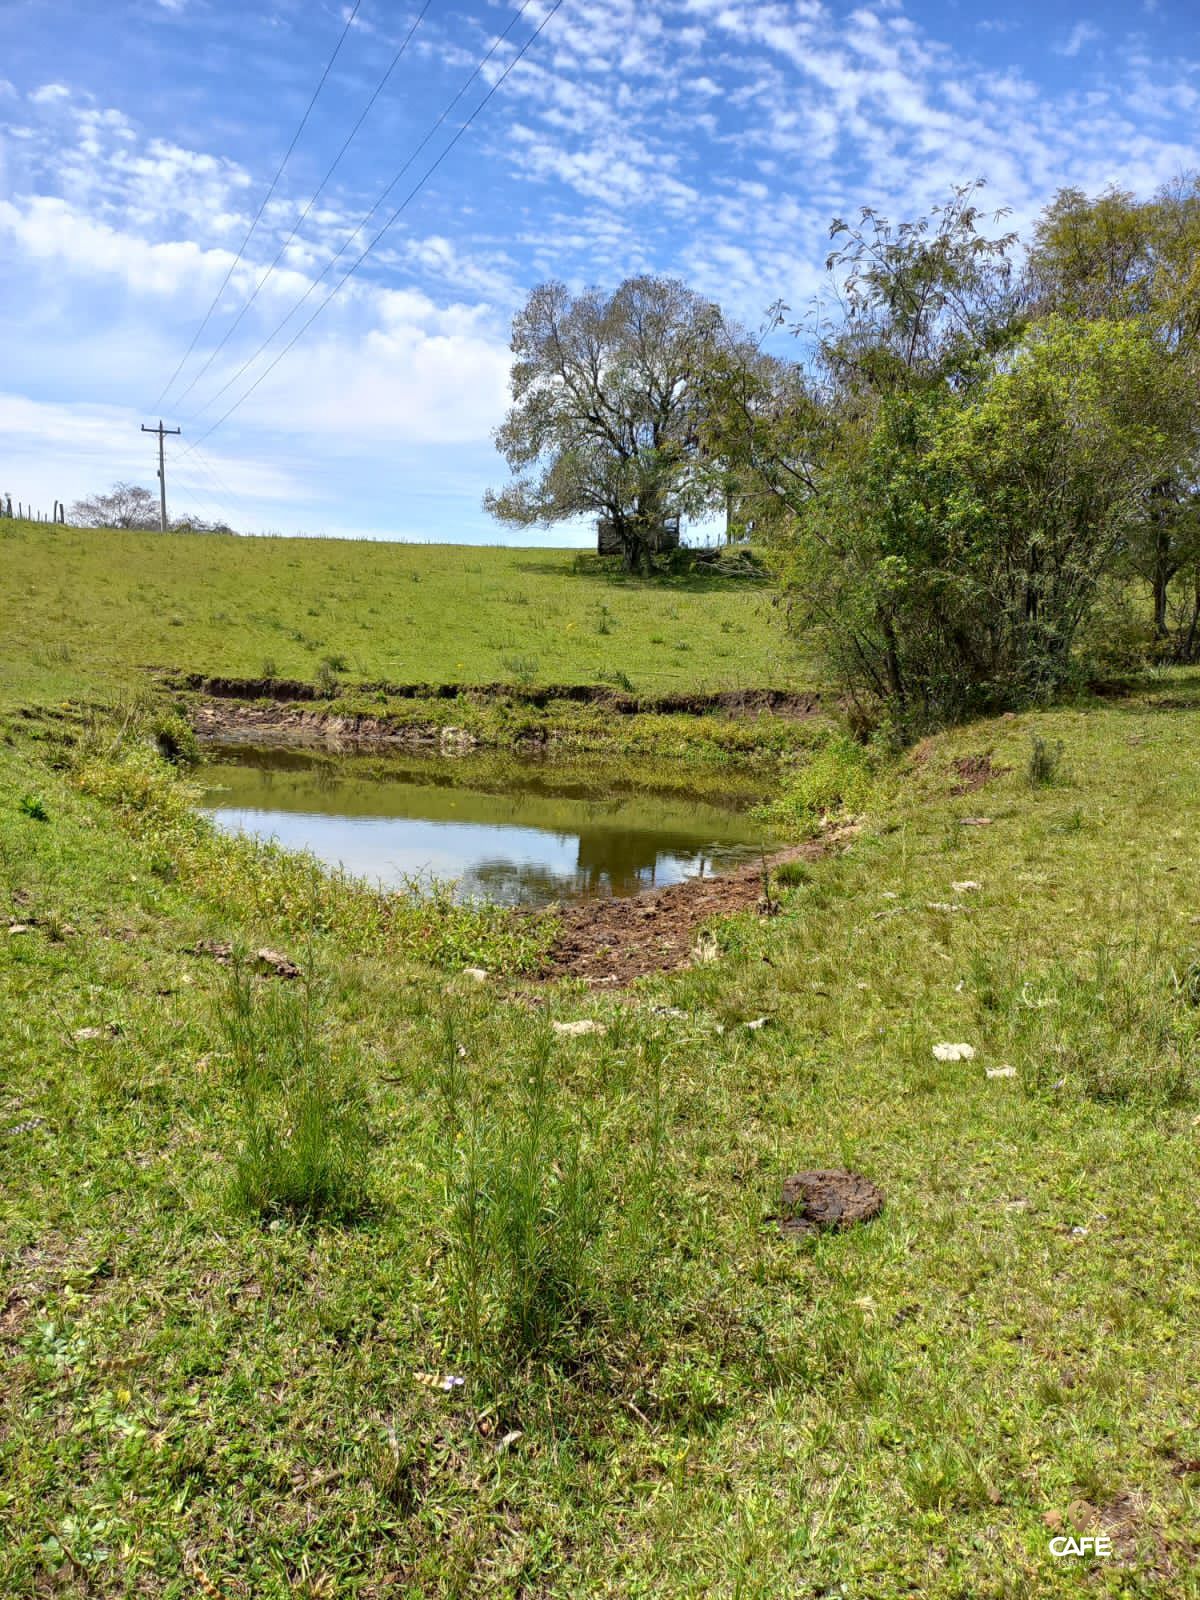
[(968, 454)]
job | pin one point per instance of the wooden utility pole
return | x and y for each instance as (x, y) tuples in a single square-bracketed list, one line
[(162, 471)]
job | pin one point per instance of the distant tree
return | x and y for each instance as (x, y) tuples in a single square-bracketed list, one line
[(607, 399), (190, 523), (126, 505)]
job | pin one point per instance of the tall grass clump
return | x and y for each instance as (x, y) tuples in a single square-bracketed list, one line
[(536, 1205), (303, 1144), (1045, 762)]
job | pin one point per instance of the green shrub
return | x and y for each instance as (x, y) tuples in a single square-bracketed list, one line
[(175, 739), (840, 778), (32, 805)]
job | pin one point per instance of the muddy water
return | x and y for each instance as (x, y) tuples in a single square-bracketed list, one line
[(526, 832)]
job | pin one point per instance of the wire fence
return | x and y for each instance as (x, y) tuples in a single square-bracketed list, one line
[(28, 513)]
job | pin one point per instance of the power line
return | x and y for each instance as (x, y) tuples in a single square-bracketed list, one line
[(300, 220), (387, 225), (224, 495), (266, 201)]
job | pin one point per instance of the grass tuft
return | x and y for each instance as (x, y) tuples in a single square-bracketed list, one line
[(303, 1141)]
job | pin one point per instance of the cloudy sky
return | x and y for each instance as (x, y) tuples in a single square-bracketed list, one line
[(709, 138)]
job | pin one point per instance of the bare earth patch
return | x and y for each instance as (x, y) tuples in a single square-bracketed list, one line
[(973, 772), (612, 942)]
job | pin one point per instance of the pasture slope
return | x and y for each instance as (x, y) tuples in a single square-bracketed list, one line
[(212, 1389), (93, 608)]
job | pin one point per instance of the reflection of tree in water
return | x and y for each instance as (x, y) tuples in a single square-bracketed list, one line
[(607, 862), (622, 862)]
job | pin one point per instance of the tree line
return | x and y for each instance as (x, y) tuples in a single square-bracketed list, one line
[(129, 505), (979, 441)]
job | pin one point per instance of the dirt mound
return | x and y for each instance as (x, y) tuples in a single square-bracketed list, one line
[(973, 772), (827, 1198), (614, 941)]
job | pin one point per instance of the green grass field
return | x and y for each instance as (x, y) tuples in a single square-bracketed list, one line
[(252, 1228), (88, 608)]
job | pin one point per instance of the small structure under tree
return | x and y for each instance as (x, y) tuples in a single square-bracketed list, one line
[(661, 539)]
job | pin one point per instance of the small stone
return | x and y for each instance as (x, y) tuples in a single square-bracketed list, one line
[(965, 887), (974, 822), (576, 1030), (1001, 1072), (954, 1052), (477, 974), (759, 1022), (19, 927), (706, 948)]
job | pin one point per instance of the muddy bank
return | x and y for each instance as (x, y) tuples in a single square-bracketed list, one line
[(237, 723), (733, 702), (612, 942)]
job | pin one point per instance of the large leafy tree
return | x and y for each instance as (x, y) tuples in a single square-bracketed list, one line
[(1113, 255), (607, 399)]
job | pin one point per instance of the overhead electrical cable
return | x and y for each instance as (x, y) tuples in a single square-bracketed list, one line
[(416, 188), (301, 219), (265, 202)]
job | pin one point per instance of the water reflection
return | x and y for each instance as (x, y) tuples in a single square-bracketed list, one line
[(516, 832)]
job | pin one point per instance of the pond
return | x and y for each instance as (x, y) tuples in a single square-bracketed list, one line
[(518, 832)]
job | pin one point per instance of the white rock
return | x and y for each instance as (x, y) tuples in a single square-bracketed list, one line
[(1001, 1072), (965, 886), (759, 1022), (574, 1030), (479, 974), (954, 1052)]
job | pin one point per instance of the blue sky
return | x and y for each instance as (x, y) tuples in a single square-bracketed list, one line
[(709, 138)]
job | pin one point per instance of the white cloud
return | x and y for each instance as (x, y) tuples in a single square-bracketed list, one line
[(1082, 34), (50, 94)]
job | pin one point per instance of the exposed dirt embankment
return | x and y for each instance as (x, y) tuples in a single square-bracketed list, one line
[(612, 942), (780, 702), (274, 723)]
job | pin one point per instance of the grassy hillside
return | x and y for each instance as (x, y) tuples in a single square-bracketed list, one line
[(662, 1396), (85, 609)]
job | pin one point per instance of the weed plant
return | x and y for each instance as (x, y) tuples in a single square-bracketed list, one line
[(303, 1142)]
